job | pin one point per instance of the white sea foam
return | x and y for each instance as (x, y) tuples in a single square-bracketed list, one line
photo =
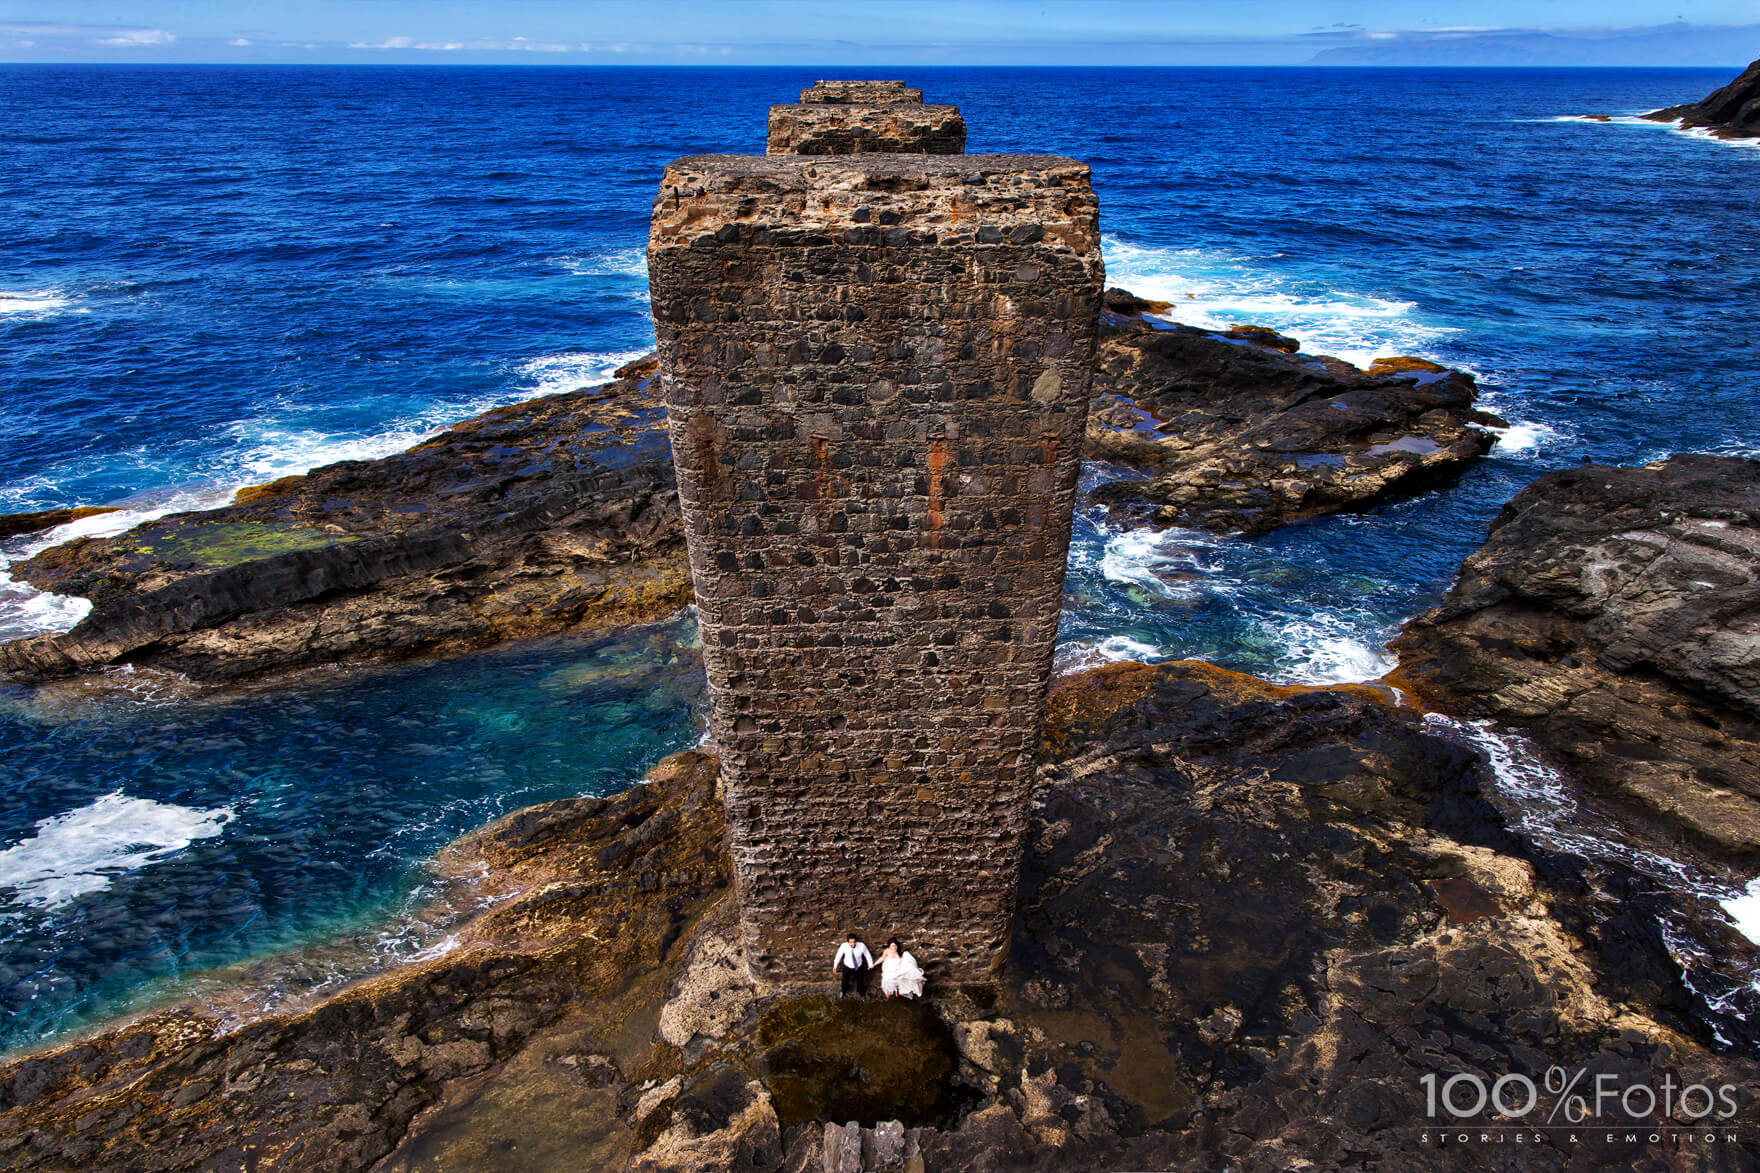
[(81, 851), (619, 262), (1165, 563), (1524, 436), (552, 374), (1670, 127), (1110, 650), (270, 449), (32, 303), (1747, 144), (26, 611), (1744, 910), (1186, 568), (1213, 291), (1321, 649)]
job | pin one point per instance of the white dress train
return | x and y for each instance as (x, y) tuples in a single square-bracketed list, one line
[(901, 975)]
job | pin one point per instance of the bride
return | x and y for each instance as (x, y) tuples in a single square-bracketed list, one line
[(900, 975)]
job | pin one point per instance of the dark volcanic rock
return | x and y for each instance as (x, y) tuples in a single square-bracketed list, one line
[(1254, 919), (1241, 432), (13, 524), (1731, 112), (527, 519), (1614, 615)]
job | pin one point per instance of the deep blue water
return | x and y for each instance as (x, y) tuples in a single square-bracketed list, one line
[(219, 275)]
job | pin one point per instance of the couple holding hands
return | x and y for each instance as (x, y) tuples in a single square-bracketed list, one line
[(900, 975)]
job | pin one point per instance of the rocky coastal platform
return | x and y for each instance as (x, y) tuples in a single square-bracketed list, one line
[(1241, 432), (562, 512), (1730, 112), (1253, 919), (1614, 617), (558, 512)]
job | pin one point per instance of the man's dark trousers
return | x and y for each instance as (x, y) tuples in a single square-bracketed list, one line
[(857, 977)]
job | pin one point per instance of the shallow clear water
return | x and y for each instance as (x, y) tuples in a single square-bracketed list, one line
[(216, 276), (151, 835)]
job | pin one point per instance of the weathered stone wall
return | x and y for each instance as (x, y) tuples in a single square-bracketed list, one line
[(876, 375), (851, 128)]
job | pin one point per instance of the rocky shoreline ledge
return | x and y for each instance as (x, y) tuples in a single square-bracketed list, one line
[(1612, 616), (1253, 919), (1730, 112), (1240, 432), (554, 513), (561, 512)]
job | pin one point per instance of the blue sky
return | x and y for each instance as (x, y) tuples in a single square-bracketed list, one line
[(885, 32)]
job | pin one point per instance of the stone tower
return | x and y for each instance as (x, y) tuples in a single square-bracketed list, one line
[(875, 353)]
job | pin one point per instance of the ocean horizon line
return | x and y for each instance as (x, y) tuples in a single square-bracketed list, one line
[(711, 67)]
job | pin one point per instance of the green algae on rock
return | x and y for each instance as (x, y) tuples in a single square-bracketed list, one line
[(194, 541)]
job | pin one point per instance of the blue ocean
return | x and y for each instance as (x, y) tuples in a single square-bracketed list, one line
[(214, 276)]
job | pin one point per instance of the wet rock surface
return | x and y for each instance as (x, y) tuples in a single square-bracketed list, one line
[(1253, 919), (1730, 112), (527, 519), (13, 524), (1613, 615), (1239, 431)]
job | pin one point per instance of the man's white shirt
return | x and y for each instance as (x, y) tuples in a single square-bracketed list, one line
[(857, 957)]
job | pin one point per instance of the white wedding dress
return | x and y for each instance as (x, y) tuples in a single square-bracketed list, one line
[(901, 975)]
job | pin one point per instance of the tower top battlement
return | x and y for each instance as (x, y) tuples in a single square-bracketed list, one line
[(846, 92), (864, 117)]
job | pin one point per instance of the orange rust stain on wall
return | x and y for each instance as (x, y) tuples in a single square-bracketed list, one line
[(937, 467), (702, 433), (822, 468)]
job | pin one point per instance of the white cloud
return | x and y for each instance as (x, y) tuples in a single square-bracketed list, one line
[(238, 42), (134, 38), (517, 45)]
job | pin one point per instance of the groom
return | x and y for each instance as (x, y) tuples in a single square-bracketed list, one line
[(851, 965)]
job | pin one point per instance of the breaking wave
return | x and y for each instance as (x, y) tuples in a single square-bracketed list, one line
[(82, 851), (1214, 290)]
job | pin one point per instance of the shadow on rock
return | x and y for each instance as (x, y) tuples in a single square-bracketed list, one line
[(840, 1060)]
